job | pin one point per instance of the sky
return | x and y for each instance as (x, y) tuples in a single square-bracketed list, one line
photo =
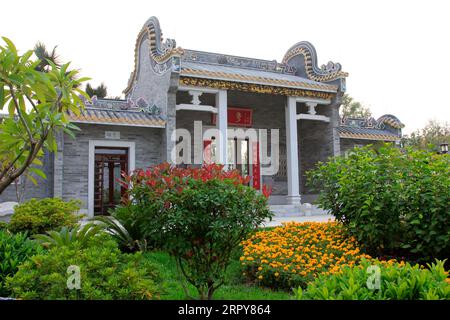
[(396, 52)]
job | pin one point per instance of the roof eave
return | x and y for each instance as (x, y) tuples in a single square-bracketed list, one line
[(273, 84)]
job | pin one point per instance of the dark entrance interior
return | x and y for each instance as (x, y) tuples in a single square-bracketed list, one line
[(238, 155), (109, 163)]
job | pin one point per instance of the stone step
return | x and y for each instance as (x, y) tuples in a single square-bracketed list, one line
[(288, 210)]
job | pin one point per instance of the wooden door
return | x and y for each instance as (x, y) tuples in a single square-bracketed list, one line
[(110, 163)]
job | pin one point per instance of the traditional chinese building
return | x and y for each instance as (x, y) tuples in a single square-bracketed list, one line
[(174, 93)]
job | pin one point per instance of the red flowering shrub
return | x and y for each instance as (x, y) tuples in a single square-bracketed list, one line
[(198, 214)]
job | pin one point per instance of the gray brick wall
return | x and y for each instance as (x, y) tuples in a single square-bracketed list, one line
[(43, 189), (318, 141)]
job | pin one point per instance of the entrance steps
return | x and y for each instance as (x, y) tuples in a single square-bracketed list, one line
[(290, 210)]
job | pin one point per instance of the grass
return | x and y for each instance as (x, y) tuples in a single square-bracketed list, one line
[(235, 289)]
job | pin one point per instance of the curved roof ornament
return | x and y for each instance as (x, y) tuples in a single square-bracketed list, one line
[(161, 51), (329, 72), (391, 120)]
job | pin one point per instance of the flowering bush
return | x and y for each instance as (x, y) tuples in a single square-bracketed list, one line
[(375, 280), (295, 253), (199, 215)]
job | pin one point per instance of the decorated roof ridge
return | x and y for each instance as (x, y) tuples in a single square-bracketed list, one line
[(371, 123), (391, 120), (160, 51), (207, 57), (129, 105), (329, 72), (133, 109)]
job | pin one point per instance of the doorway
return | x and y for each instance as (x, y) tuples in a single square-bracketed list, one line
[(239, 155), (109, 163), (242, 155)]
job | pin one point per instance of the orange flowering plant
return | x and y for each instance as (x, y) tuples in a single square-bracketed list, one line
[(296, 253)]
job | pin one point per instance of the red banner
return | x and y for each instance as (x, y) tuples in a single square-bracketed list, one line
[(241, 117), (255, 166)]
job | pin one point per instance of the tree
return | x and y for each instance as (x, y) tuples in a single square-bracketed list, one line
[(41, 52), (37, 103), (354, 109), (100, 92), (429, 137)]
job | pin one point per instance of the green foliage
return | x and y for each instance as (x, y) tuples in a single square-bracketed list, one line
[(128, 240), (429, 137), (42, 215), (67, 237), (353, 109), (14, 250), (396, 282), (37, 103), (105, 272), (3, 225), (390, 200), (198, 215)]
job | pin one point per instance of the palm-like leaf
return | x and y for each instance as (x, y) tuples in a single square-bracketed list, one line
[(121, 234), (66, 236), (45, 57)]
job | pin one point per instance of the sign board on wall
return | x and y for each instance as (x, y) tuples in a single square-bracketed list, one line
[(115, 135), (241, 117)]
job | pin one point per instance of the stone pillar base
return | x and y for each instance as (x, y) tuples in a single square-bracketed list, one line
[(293, 200)]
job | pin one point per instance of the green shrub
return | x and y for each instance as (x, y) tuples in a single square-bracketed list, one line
[(397, 281), (105, 273), (198, 215), (392, 201), (38, 216), (14, 249), (3, 225)]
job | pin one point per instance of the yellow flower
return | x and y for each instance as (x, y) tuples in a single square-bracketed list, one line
[(260, 277)]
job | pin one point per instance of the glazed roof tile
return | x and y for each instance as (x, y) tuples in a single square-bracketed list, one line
[(366, 134)]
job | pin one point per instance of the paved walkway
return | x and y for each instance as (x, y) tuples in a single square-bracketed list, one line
[(277, 221)]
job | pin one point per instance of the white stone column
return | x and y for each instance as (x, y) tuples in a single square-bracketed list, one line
[(222, 126), (293, 196)]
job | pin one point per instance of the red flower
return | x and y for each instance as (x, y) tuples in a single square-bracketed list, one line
[(266, 191)]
